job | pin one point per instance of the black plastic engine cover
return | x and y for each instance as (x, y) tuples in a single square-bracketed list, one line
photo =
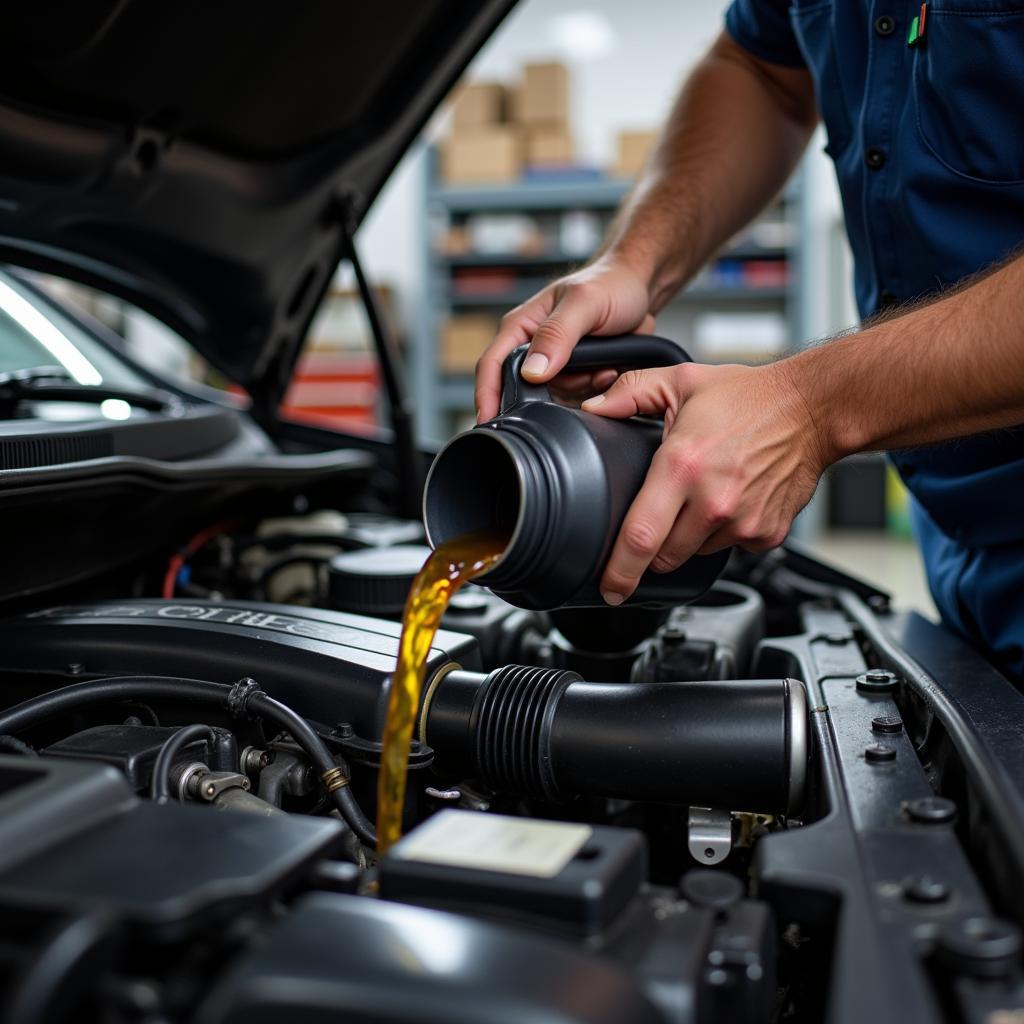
[(77, 839), (133, 750), (359, 960), (329, 666)]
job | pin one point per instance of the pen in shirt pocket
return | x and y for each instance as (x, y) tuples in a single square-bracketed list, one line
[(915, 37)]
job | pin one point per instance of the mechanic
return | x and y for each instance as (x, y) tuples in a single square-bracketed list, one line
[(921, 105)]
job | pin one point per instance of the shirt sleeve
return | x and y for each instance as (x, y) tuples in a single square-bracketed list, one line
[(763, 28)]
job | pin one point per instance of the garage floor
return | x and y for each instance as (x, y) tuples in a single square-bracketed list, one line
[(891, 563)]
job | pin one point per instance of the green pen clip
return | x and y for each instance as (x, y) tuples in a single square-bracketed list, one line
[(915, 37)]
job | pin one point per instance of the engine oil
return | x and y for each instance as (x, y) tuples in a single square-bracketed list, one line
[(452, 564)]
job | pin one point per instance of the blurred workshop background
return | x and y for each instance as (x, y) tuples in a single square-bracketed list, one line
[(515, 181)]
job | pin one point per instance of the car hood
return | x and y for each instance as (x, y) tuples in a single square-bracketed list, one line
[(206, 161)]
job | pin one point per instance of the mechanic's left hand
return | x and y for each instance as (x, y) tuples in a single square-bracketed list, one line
[(740, 457)]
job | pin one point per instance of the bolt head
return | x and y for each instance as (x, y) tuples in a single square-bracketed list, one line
[(878, 753), (983, 947), (925, 889), (887, 724), (209, 789), (931, 810), (877, 680)]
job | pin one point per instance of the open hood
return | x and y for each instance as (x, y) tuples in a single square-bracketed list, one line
[(206, 160)]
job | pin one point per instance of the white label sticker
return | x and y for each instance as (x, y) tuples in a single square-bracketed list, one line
[(494, 842)]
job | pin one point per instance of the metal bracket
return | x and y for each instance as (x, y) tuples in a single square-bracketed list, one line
[(709, 835), (209, 785)]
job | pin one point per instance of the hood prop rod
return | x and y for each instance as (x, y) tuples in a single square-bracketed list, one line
[(410, 477)]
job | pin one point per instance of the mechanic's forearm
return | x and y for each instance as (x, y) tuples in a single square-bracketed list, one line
[(735, 134), (948, 369)]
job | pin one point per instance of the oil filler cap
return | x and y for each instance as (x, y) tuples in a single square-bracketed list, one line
[(374, 581)]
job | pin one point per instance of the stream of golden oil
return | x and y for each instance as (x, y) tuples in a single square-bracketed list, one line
[(452, 564)]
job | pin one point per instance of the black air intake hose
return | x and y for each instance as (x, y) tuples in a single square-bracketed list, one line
[(546, 733)]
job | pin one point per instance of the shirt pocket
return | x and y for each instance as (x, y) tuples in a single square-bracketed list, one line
[(968, 85), (813, 25)]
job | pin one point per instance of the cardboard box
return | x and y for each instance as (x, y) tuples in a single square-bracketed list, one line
[(479, 105), (463, 340), (632, 150), (549, 147), (485, 156), (543, 96), (499, 233)]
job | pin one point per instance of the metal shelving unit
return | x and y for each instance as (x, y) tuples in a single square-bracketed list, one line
[(441, 397), (693, 296), (529, 195)]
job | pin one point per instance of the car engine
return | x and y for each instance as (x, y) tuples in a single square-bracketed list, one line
[(757, 807)]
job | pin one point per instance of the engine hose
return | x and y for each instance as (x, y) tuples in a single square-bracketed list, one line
[(243, 698), (334, 773), (160, 786), (99, 691), (547, 733)]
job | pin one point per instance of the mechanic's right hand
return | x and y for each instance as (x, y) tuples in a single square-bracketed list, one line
[(607, 297)]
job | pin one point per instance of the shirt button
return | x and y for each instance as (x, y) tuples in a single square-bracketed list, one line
[(874, 158), (885, 26)]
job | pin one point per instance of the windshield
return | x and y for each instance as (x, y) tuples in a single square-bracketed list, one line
[(33, 333)]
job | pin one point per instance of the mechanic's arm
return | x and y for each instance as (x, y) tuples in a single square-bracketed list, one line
[(745, 446), (735, 133)]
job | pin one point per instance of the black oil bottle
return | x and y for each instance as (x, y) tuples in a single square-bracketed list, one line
[(558, 482)]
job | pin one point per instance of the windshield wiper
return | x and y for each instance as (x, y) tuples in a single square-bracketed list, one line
[(55, 384)]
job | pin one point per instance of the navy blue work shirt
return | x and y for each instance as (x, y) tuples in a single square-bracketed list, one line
[(928, 145)]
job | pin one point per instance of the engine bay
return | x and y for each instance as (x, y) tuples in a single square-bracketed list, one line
[(756, 807)]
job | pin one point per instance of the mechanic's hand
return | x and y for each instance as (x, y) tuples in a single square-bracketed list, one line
[(739, 458), (605, 298)]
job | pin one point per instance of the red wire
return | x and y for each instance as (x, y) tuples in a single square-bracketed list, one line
[(175, 566), (177, 562)]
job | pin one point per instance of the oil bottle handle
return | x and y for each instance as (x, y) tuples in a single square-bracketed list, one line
[(622, 352)]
